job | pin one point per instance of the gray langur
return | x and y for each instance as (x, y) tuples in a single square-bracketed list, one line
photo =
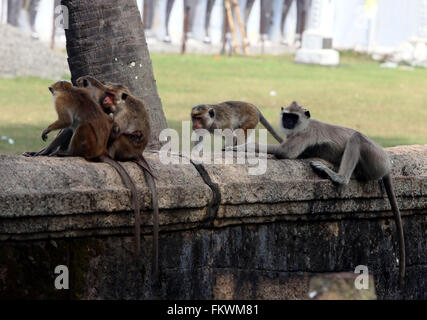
[(353, 152)]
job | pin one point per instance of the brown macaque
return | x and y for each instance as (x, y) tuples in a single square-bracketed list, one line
[(76, 110), (129, 138), (229, 115)]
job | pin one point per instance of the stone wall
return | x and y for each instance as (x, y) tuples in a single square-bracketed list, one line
[(224, 234)]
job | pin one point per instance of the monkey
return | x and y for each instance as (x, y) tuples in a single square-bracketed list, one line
[(353, 152), (90, 127), (229, 115), (77, 111), (101, 94), (129, 138)]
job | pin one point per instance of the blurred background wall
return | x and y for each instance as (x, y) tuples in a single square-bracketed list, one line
[(370, 25)]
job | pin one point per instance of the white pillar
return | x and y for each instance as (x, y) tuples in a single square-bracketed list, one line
[(3, 11), (422, 28), (315, 16), (316, 44)]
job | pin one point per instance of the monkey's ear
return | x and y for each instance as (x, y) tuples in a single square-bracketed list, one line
[(212, 113), (282, 108), (85, 83), (307, 114), (124, 96)]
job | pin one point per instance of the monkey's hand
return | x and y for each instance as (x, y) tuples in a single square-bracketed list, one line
[(44, 134)]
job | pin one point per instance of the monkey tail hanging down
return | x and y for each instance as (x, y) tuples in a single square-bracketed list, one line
[(129, 138), (86, 130)]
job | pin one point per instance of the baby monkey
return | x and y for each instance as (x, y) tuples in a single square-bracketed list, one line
[(229, 115), (353, 152)]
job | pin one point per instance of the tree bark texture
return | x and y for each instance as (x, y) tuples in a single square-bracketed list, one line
[(105, 39)]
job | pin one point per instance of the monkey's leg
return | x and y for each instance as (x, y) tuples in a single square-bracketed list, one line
[(149, 178), (61, 142), (348, 163), (127, 180), (198, 144)]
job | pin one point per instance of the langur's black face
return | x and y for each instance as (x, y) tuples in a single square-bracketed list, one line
[(289, 120)]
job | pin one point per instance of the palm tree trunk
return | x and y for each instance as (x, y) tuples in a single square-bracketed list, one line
[(106, 39)]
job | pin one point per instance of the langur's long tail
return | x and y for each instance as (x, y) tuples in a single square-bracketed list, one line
[(150, 179), (127, 180), (393, 202)]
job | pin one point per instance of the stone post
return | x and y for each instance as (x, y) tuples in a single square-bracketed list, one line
[(316, 44)]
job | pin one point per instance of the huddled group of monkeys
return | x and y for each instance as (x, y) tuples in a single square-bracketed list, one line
[(104, 122)]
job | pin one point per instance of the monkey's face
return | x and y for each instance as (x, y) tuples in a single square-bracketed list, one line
[(109, 102), (115, 101), (59, 86), (289, 120), (202, 117), (293, 118), (113, 96)]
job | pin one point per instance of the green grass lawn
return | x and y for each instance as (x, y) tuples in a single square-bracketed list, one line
[(389, 105)]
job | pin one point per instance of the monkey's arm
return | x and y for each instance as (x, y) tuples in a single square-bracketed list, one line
[(290, 149), (63, 122)]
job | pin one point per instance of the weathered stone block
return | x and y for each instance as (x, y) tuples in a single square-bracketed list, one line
[(224, 234)]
